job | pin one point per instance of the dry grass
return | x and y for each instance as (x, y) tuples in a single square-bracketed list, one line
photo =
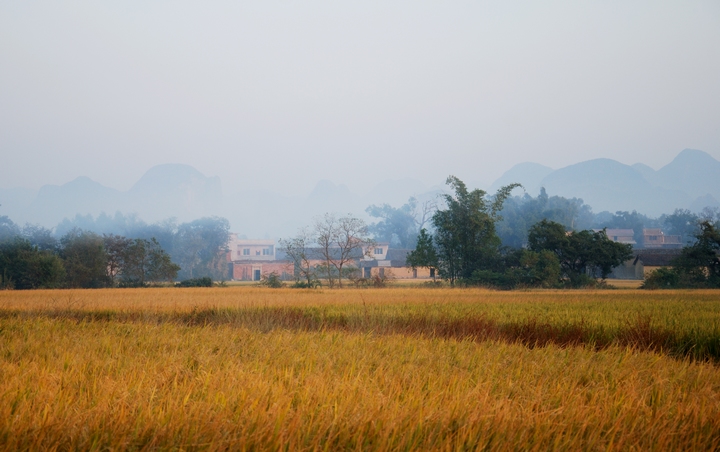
[(248, 368)]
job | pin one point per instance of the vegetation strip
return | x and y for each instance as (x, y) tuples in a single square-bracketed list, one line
[(638, 333)]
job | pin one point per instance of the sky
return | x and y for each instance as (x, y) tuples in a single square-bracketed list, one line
[(277, 95)]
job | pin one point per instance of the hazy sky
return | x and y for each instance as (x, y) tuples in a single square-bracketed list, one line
[(279, 95)]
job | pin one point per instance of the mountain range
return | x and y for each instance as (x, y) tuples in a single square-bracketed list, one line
[(180, 191), (690, 181)]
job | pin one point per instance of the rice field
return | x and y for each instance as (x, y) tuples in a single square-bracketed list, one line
[(242, 368)]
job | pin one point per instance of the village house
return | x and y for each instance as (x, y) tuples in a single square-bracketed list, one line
[(626, 236), (655, 238), (644, 262), (251, 260)]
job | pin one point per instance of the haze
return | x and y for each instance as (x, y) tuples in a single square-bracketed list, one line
[(278, 95)]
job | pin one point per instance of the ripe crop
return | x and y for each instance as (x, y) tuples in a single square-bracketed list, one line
[(400, 368)]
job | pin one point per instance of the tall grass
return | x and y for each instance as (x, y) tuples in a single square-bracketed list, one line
[(399, 369)]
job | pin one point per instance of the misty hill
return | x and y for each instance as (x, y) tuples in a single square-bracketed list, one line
[(174, 190), (694, 172), (81, 195), (163, 191), (180, 191), (689, 181)]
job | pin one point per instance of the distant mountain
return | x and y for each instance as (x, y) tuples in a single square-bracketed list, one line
[(529, 174), (181, 191), (689, 181), (646, 172), (174, 190), (81, 195), (694, 172), (609, 185)]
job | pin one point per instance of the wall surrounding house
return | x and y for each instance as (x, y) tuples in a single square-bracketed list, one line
[(254, 271)]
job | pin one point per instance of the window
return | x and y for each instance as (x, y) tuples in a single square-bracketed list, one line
[(246, 251), (267, 251), (378, 250)]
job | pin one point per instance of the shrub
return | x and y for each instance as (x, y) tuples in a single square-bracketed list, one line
[(272, 280), (196, 282)]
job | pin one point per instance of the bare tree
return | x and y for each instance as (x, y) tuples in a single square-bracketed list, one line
[(299, 251), (340, 240)]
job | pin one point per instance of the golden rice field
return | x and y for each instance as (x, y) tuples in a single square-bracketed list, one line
[(246, 368)]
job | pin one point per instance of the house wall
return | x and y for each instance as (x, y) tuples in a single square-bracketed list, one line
[(401, 272), (245, 271)]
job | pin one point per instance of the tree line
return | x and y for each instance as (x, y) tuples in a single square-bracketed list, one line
[(465, 248), (33, 257), (401, 226)]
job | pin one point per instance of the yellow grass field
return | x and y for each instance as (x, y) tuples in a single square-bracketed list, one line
[(247, 368)]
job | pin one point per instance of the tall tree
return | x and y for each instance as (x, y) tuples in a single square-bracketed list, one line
[(400, 226), (116, 248), (465, 235), (84, 258), (200, 247)]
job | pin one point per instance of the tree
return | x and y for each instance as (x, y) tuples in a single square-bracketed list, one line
[(399, 226), (200, 246), (84, 258), (579, 252), (424, 255), (682, 222), (24, 266), (40, 237), (298, 250), (341, 241), (116, 248), (465, 236), (8, 229), (145, 261), (520, 213)]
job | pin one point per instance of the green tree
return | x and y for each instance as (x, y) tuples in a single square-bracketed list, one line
[(465, 236), (145, 261), (424, 255), (84, 258), (24, 266), (116, 248), (582, 254)]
